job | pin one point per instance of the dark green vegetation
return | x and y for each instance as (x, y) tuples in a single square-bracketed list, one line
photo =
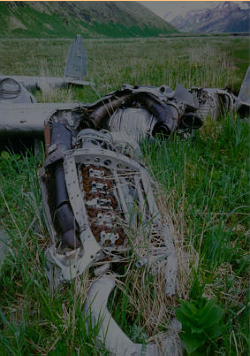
[(91, 19), (200, 323), (204, 184)]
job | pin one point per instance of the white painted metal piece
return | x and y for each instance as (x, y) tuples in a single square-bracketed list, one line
[(28, 119), (116, 341)]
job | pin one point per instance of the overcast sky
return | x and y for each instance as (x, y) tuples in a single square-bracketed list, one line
[(177, 7)]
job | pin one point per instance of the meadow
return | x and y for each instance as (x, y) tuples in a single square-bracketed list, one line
[(203, 185)]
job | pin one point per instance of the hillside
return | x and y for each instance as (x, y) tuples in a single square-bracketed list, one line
[(222, 17), (91, 19)]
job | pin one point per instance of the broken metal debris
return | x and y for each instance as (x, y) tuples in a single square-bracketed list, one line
[(116, 340), (16, 89), (158, 110), (96, 193)]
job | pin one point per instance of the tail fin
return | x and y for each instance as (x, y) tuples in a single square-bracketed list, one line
[(76, 64), (244, 94)]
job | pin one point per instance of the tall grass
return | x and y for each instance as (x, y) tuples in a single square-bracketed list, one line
[(202, 185)]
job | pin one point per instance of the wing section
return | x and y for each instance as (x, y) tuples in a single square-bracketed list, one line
[(28, 119)]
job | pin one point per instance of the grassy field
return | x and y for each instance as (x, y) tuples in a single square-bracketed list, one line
[(204, 188)]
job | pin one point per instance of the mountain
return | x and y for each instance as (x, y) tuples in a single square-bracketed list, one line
[(90, 18), (223, 16)]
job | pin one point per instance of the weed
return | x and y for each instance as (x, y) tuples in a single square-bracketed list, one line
[(200, 323)]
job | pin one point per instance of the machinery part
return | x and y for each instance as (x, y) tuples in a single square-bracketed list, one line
[(106, 191), (107, 107), (137, 123), (166, 94), (191, 121), (213, 102), (181, 94), (165, 107), (116, 341), (94, 195), (61, 137), (152, 119), (158, 117), (166, 122)]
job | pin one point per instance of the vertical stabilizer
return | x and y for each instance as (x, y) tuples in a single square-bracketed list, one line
[(76, 64), (244, 94)]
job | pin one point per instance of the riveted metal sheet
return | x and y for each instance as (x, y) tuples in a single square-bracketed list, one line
[(74, 192)]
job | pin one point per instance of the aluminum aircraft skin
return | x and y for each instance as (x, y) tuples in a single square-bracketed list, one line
[(96, 193), (20, 114)]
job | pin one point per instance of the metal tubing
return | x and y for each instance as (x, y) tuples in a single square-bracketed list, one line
[(108, 107), (161, 111), (64, 217), (191, 121)]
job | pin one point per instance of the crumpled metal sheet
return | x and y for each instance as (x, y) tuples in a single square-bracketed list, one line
[(213, 102)]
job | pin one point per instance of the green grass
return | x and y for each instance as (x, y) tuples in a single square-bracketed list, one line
[(204, 184), (207, 182)]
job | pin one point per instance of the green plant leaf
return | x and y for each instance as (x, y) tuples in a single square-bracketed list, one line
[(211, 314), (214, 331), (187, 319), (193, 342), (188, 309)]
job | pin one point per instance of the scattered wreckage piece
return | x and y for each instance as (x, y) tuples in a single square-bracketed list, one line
[(138, 111), (96, 194), (116, 341), (76, 62), (158, 110), (28, 120), (95, 191), (214, 102), (16, 88)]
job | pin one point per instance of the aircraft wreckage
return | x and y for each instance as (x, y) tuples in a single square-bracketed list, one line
[(95, 190)]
